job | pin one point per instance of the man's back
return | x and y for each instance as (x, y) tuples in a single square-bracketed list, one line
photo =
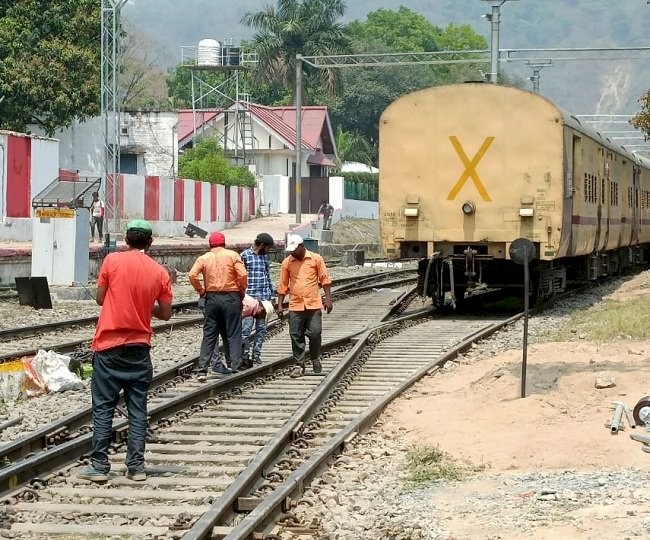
[(134, 282), (259, 279), (222, 270)]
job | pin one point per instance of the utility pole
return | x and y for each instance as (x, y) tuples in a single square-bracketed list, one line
[(298, 138), (537, 66), (110, 106), (495, 18)]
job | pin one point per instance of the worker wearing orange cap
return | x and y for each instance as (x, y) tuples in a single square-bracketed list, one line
[(222, 288)]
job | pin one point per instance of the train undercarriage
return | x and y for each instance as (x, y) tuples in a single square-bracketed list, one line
[(450, 280)]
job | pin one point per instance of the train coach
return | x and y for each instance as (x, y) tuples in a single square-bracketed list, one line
[(467, 169)]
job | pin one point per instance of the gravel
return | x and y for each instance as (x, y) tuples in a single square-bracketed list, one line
[(365, 495), (168, 349)]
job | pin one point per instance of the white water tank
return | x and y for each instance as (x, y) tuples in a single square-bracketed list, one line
[(209, 53)]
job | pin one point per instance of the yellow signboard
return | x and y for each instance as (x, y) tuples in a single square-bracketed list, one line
[(55, 213)]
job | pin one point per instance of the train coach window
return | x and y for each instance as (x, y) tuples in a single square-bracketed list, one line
[(591, 188)]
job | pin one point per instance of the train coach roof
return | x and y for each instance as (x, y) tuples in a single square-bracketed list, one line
[(574, 122)]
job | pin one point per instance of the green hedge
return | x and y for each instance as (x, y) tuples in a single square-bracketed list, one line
[(207, 162), (362, 186)]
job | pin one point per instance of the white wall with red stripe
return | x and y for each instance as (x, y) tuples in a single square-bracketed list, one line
[(28, 164)]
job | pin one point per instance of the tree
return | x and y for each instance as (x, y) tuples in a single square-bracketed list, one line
[(206, 161), (142, 82), (367, 92), (642, 119), (306, 27), (351, 146), (49, 62), (403, 30)]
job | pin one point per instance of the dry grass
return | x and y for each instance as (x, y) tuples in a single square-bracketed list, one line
[(610, 320), (351, 231), (429, 464)]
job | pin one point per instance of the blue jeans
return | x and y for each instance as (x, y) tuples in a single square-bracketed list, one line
[(247, 326), (125, 368)]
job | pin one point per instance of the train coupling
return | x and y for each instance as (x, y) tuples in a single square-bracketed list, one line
[(470, 258)]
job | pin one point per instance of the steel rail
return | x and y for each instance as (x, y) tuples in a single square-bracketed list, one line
[(263, 517), (68, 452), (222, 509), (342, 285), (8, 333), (74, 430)]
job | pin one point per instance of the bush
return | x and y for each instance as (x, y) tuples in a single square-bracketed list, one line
[(207, 162)]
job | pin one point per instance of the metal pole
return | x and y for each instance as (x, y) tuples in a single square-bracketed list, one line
[(535, 79), (110, 105), (193, 108), (525, 351), (116, 119), (494, 44), (298, 137)]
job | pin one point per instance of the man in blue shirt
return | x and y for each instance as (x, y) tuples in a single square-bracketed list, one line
[(260, 287)]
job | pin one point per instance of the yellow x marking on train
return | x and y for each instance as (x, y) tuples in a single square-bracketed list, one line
[(470, 168)]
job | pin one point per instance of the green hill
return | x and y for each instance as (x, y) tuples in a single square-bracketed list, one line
[(582, 87)]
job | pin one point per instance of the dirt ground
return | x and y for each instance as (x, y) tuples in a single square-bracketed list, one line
[(474, 412)]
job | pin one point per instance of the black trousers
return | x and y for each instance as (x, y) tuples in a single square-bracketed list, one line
[(222, 316), (305, 323)]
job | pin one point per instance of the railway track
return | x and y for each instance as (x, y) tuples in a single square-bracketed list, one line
[(227, 458), (188, 392), (19, 342)]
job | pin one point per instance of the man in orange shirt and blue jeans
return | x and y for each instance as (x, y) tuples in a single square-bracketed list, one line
[(302, 274), (131, 288)]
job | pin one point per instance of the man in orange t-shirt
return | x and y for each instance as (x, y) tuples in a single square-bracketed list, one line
[(302, 274), (222, 288), (131, 287)]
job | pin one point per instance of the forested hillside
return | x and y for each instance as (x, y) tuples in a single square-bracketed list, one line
[(580, 86)]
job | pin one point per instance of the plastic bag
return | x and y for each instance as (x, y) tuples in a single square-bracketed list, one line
[(33, 384), (11, 379), (53, 369)]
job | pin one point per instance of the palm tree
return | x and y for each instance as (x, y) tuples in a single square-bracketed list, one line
[(351, 146), (306, 27)]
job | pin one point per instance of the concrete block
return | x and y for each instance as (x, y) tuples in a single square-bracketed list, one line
[(353, 257), (323, 235), (75, 292)]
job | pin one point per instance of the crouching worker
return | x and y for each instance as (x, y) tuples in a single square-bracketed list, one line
[(131, 288), (259, 310)]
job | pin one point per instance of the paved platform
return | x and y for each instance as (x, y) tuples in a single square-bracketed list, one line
[(238, 236)]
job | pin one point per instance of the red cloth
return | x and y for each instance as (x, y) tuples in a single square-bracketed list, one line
[(250, 307), (134, 282)]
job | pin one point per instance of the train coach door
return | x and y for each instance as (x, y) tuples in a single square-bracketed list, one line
[(573, 171), (636, 180)]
